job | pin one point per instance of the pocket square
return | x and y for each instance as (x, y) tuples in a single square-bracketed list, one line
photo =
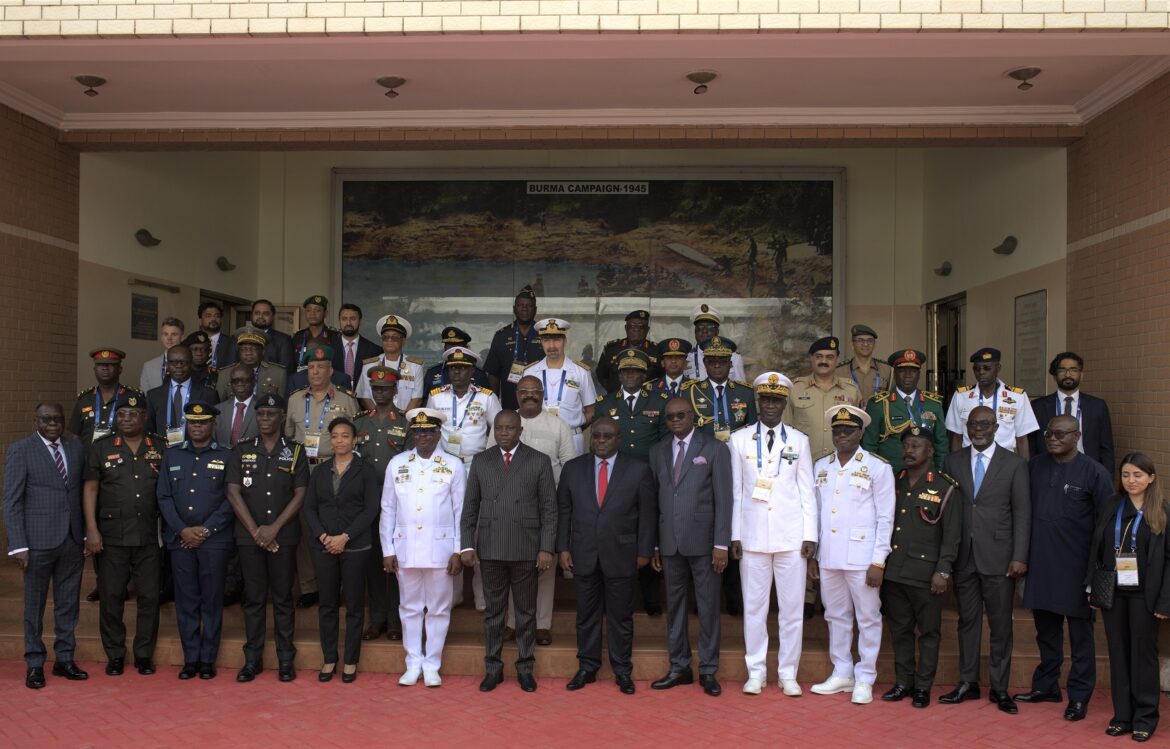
[(699, 461)]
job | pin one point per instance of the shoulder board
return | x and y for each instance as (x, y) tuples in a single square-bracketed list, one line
[(133, 389), (932, 396), (847, 381), (582, 364), (688, 384), (949, 479), (963, 388), (415, 360), (845, 363), (436, 391), (533, 364), (371, 412), (344, 390), (875, 455), (745, 383), (881, 395), (108, 437), (486, 391), (298, 391), (600, 398), (1015, 389), (372, 359), (87, 391), (614, 342)]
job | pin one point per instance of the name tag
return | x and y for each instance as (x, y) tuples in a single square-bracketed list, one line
[(762, 491), (516, 372), (312, 444), (1127, 571), (554, 410), (216, 465), (860, 480), (722, 433), (98, 433), (174, 436)]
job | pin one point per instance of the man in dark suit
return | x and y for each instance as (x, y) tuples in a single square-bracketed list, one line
[(606, 518), (693, 476), (239, 412), (278, 349), (993, 553), (1096, 426), (355, 348), (165, 404), (211, 322), (43, 519), (509, 527)]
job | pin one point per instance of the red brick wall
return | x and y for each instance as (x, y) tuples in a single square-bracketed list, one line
[(38, 286), (1119, 287)]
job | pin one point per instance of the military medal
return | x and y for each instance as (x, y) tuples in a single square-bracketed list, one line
[(247, 481)]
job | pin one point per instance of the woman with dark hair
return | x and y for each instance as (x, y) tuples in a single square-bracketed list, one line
[(340, 506), (1131, 540)]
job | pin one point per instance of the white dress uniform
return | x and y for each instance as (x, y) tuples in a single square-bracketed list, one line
[(856, 505), (422, 500), (774, 510), (410, 379), (698, 371), (1012, 407), (567, 391), (469, 419)]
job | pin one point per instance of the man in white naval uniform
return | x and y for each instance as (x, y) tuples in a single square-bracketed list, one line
[(422, 500), (855, 499), (773, 530), (394, 331), (1012, 406), (569, 392), (706, 321)]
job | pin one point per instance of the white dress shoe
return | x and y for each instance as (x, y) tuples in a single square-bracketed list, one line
[(753, 686), (791, 687), (410, 678), (862, 694), (833, 685), (432, 679)]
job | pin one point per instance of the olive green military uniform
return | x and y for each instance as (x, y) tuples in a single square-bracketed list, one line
[(925, 541), (607, 365), (891, 416), (642, 426), (93, 416), (270, 378), (807, 406)]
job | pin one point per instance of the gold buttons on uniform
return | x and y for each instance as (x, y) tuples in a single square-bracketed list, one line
[(834, 530)]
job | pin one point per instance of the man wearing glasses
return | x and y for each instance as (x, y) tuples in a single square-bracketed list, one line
[(1010, 405), (1091, 413), (870, 375), (1069, 492)]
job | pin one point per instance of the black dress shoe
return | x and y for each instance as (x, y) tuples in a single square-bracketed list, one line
[(248, 672), (1142, 735), (93, 596), (1118, 729), (145, 666), (287, 672), (1004, 702), (625, 684), (967, 690), (307, 600), (374, 631), (896, 694), (70, 671), (349, 677), (490, 681), (580, 679), (1038, 696), (232, 598), (207, 671), (1076, 711), (653, 609), (710, 685), (527, 682), (921, 698), (189, 671), (35, 678), (325, 676), (394, 632), (674, 679), (115, 666)]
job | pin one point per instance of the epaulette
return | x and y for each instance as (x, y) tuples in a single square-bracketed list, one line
[(963, 388), (688, 384), (932, 396), (614, 342), (372, 359), (845, 363), (950, 479), (1015, 389), (87, 391), (882, 395), (533, 364), (305, 389), (485, 391), (875, 455), (345, 391), (745, 383), (437, 390), (583, 365), (414, 360)]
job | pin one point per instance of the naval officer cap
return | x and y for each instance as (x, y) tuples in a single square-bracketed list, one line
[(846, 416), (705, 313), (552, 326), (425, 418), (772, 384), (457, 356), (986, 355), (394, 322), (453, 336)]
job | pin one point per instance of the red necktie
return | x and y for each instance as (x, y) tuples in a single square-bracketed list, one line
[(602, 482), (507, 459), (238, 422)]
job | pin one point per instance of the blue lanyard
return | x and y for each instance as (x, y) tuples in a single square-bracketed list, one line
[(1133, 534), (721, 404), (760, 446), (324, 410), (915, 419), (994, 400), (455, 408), (877, 377), (97, 409), (560, 392), (516, 345)]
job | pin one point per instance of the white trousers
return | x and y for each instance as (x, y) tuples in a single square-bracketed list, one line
[(546, 583), (428, 589), (757, 573), (846, 598), (476, 589)]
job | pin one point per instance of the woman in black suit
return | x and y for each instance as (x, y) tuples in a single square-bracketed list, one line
[(1134, 530), (340, 506)]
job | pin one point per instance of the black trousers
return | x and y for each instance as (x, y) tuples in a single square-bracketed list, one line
[(976, 593), (733, 588), (613, 598), (907, 608), (199, 579), (118, 566), (498, 578), (1132, 633), (266, 573), (60, 567), (381, 589), (1082, 674), (650, 582), (680, 570), (338, 573)]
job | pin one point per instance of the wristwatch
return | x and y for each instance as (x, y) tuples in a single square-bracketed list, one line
[(944, 575), (879, 565)]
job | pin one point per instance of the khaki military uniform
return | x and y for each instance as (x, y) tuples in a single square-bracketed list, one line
[(807, 404)]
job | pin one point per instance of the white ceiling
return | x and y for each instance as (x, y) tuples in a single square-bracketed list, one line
[(577, 79)]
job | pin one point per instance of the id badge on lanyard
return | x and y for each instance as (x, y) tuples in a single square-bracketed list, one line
[(312, 445), (174, 436), (516, 372), (1127, 571)]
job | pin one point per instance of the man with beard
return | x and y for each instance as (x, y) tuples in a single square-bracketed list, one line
[(355, 348), (93, 412), (395, 331), (513, 348), (1092, 413), (707, 322), (869, 374), (210, 320), (279, 349), (637, 328), (266, 376), (815, 393), (568, 384)]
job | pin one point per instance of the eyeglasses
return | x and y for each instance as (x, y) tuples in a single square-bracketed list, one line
[(676, 416), (51, 419), (865, 341), (981, 424), (241, 380), (1068, 370), (1058, 434)]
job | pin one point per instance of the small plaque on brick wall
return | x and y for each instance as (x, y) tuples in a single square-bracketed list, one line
[(1031, 354), (143, 317)]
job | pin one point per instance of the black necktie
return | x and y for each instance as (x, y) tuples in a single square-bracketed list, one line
[(719, 404), (771, 439), (630, 400), (1068, 405), (674, 390)]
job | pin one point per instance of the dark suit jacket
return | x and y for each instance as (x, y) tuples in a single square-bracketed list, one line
[(223, 424), (352, 509), (509, 515), (1156, 583), (278, 350), (614, 535), (694, 516), (40, 508), (364, 350), (997, 522), (156, 404), (223, 349), (1096, 427)]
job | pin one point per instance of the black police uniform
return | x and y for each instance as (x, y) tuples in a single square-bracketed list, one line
[(607, 368), (510, 346)]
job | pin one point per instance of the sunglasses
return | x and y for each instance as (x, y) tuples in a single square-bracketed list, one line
[(676, 416)]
